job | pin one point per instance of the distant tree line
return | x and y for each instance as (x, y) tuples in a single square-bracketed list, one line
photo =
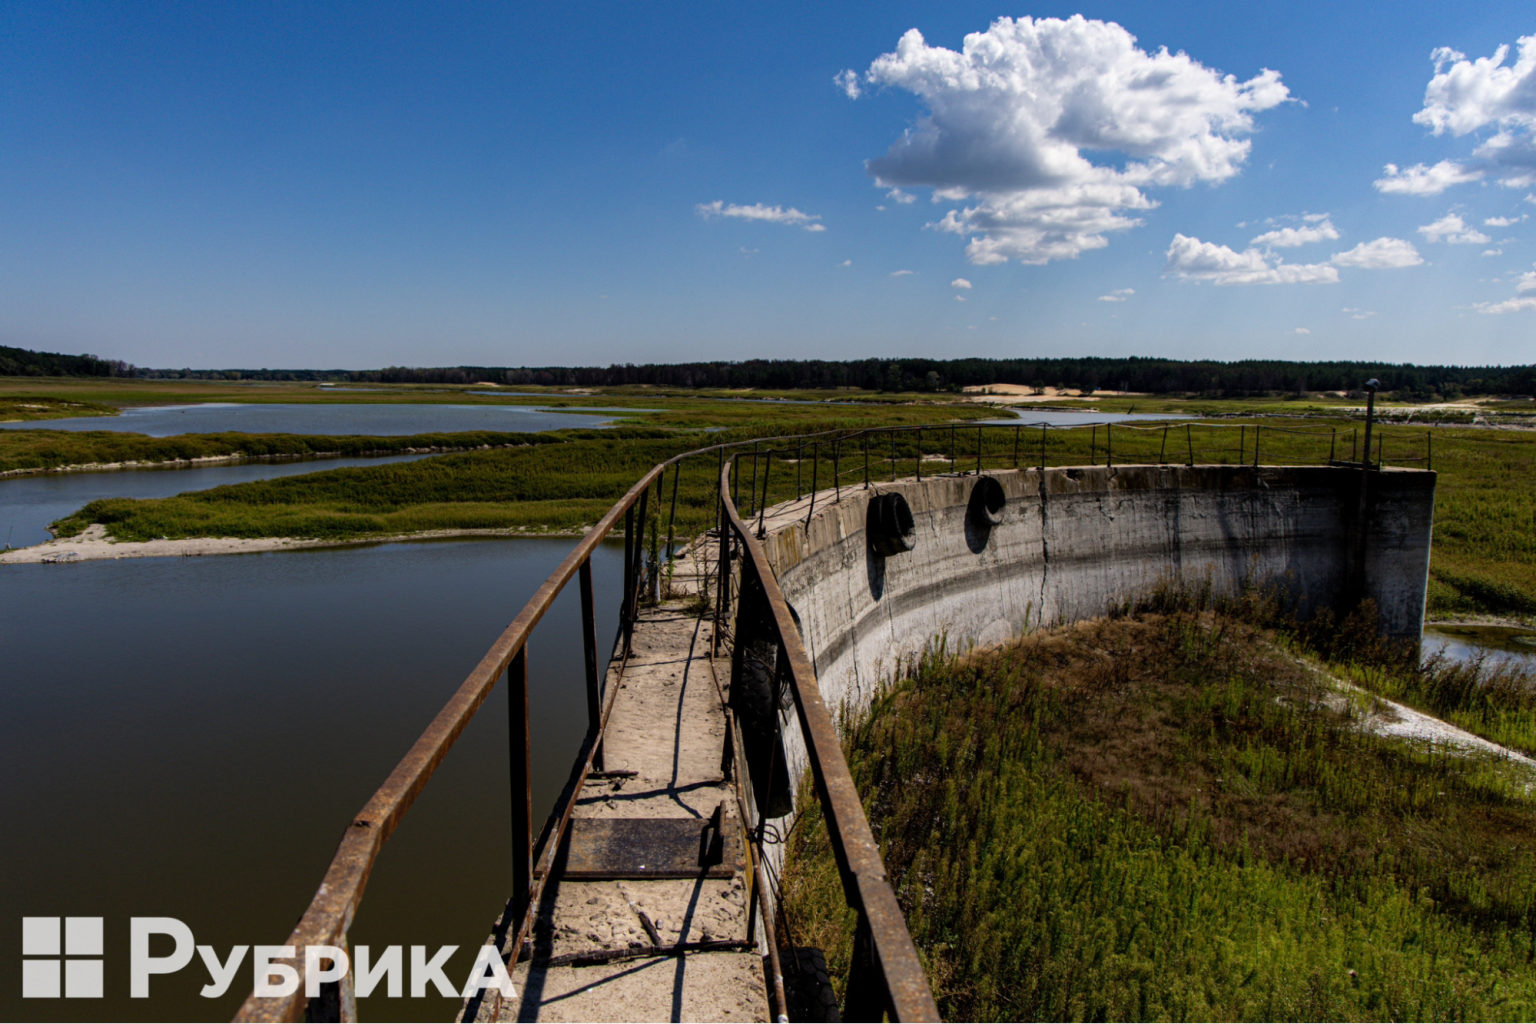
[(1157, 376), (19, 362), (1245, 377)]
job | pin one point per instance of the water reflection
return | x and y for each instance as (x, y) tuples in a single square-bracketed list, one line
[(188, 737), (1497, 644), (1074, 418)]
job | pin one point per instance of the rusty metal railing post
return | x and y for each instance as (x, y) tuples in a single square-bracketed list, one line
[(522, 783), (919, 454), (1429, 450), (951, 449), (1189, 439), (1333, 444), (1093, 446), (752, 491), (1109, 445), (799, 459), (762, 509), (1016, 431), (866, 460), (837, 468), (978, 451), (1043, 429), (1256, 428), (1242, 443), (677, 474), (815, 464), (589, 659), (893, 455), (630, 543), (1163, 448)]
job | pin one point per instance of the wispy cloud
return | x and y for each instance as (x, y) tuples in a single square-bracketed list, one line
[(902, 273), (1301, 330), (1118, 295), (761, 212)]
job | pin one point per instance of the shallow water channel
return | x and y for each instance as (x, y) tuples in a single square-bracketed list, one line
[(1468, 642), (29, 503), (188, 737), (372, 419)]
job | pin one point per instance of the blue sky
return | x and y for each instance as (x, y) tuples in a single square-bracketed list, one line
[(362, 185)]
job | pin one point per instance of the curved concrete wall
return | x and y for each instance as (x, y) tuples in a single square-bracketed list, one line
[(1075, 542)]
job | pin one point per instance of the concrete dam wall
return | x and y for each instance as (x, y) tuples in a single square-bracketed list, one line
[(1071, 543)]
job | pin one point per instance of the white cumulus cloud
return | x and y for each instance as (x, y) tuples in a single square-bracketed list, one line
[(1419, 180), (1466, 96), (1195, 260), (1118, 295), (959, 282), (896, 195), (1453, 231), (1320, 230), (1503, 222), (763, 212), (1526, 282), (1301, 330), (1012, 114), (1382, 254), (848, 81), (1493, 252)]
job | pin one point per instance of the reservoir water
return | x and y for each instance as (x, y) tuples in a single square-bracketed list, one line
[(1495, 644), (189, 737), (29, 503), (376, 420)]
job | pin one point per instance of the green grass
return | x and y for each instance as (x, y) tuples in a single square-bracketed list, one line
[(25, 408), (54, 449), (1160, 817)]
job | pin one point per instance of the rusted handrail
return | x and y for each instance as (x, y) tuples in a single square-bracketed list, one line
[(887, 975)]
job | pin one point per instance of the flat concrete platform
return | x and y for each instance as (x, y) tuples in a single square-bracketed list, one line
[(668, 728)]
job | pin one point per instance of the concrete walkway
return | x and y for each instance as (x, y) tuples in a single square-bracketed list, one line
[(662, 759)]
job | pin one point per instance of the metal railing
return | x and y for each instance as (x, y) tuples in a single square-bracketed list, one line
[(886, 975)]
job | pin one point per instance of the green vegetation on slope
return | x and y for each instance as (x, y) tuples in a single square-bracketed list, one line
[(1168, 816), (22, 408)]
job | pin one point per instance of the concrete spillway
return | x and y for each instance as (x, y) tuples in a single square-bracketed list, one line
[(1072, 543)]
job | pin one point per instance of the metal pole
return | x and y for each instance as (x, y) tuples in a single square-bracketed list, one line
[(677, 472), (799, 456), (589, 648), (1043, 429), (762, 510), (1093, 447), (978, 451), (1109, 445), (522, 784), (919, 454), (866, 461), (951, 449), (1256, 428), (1189, 439), (752, 491), (1429, 449), (837, 471), (1365, 476), (1242, 443), (1016, 431), (815, 462), (1370, 417), (1333, 444), (1162, 448), (629, 569), (893, 455)]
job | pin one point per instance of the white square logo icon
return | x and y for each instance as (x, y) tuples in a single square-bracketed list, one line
[(72, 937)]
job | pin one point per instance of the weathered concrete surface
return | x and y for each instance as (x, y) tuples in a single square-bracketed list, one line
[(668, 726), (1074, 542)]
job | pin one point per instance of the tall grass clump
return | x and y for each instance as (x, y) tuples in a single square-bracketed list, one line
[(1167, 815)]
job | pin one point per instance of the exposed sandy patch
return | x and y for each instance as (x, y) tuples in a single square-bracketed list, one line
[(94, 544), (1388, 718), (1010, 394)]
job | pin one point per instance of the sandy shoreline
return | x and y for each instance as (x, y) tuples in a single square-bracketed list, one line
[(94, 545)]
